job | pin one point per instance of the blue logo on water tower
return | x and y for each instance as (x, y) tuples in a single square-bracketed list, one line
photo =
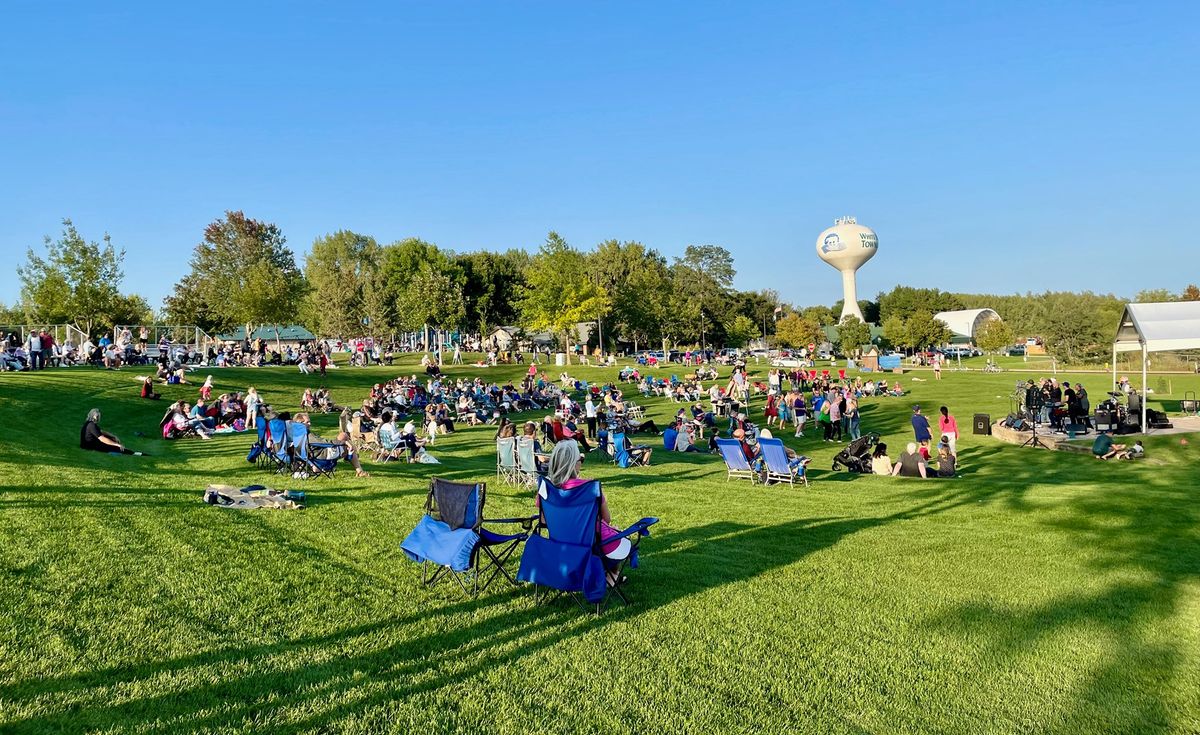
[(832, 243)]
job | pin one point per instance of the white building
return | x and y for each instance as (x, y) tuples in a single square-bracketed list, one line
[(964, 323)]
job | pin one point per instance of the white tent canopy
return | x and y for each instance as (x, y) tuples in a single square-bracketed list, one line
[(965, 322), (1156, 328)]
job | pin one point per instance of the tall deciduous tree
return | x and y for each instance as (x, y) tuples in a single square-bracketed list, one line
[(853, 333), (242, 273), (993, 335), (558, 293), (77, 282), (740, 330), (705, 273), (1191, 293), (432, 297), (491, 284), (340, 270), (895, 331), (797, 331)]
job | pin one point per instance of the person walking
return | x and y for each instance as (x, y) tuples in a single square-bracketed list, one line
[(948, 426), (252, 404), (937, 367), (852, 412), (920, 426), (457, 360)]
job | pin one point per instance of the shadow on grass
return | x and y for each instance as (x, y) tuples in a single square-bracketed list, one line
[(332, 688)]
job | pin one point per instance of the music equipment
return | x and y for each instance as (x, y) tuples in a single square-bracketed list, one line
[(982, 423), (1105, 419)]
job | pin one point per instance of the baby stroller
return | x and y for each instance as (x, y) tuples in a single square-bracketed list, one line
[(856, 457)]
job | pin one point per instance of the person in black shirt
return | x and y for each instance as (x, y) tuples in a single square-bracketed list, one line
[(92, 437)]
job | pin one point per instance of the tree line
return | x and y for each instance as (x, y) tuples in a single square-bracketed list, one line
[(242, 272)]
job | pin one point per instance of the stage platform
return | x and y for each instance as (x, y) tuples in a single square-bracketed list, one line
[(1083, 442)]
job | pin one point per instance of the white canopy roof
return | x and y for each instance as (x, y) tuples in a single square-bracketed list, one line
[(964, 322), (1160, 327)]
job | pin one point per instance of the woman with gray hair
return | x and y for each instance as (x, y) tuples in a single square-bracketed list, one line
[(92, 437), (566, 461)]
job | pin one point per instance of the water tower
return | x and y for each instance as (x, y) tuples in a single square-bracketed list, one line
[(846, 246)]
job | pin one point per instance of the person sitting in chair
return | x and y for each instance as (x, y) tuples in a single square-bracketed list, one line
[(93, 438), (566, 462), (1104, 448), (342, 443)]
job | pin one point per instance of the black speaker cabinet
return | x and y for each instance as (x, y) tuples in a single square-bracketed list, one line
[(982, 423)]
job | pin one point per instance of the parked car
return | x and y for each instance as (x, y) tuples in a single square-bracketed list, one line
[(1015, 351), (790, 362)]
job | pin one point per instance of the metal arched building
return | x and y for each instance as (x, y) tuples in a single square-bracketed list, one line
[(965, 322)]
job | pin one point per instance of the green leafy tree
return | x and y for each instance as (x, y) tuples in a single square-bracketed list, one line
[(339, 271), (852, 334), (77, 282), (822, 315), (1191, 293), (993, 335), (904, 301), (895, 332), (1154, 296), (797, 331), (705, 274), (491, 284), (242, 273), (740, 330), (432, 297), (558, 294)]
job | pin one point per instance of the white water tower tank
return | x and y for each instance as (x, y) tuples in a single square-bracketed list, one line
[(846, 246)]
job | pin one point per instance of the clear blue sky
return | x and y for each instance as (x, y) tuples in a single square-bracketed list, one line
[(993, 146)]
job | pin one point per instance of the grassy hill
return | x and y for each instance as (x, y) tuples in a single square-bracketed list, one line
[(1038, 592)]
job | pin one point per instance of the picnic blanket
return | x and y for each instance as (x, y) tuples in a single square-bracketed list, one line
[(254, 496)]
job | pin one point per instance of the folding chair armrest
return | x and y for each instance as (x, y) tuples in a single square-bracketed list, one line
[(641, 528), (526, 522)]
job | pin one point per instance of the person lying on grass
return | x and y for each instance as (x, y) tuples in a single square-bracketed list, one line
[(95, 439), (1104, 448), (910, 464), (566, 462), (342, 442)]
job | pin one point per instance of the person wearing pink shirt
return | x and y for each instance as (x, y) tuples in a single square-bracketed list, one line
[(949, 428)]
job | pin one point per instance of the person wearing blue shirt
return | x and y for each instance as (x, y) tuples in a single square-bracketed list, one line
[(920, 426)]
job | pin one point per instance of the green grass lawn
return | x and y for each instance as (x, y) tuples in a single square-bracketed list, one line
[(1039, 592)]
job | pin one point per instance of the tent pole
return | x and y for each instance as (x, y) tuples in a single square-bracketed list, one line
[(1114, 367), (1145, 428)]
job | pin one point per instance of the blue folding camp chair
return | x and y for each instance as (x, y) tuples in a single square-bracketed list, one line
[(258, 450), (776, 464), (735, 460), (570, 556), (452, 538), (622, 456), (506, 460), (317, 460), (278, 458)]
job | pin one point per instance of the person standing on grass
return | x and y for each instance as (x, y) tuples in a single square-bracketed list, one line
[(937, 367), (47, 349), (920, 426), (33, 347), (949, 429), (252, 404), (835, 417), (852, 412)]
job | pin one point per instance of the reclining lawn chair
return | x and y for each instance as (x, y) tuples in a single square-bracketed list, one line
[(571, 557), (735, 460), (307, 457), (278, 458), (452, 537), (527, 464), (506, 460), (622, 456), (777, 468), (258, 450)]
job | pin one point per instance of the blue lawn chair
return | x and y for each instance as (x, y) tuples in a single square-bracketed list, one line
[(622, 456), (258, 450), (277, 446), (309, 457), (778, 467), (570, 557), (453, 539), (735, 460)]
